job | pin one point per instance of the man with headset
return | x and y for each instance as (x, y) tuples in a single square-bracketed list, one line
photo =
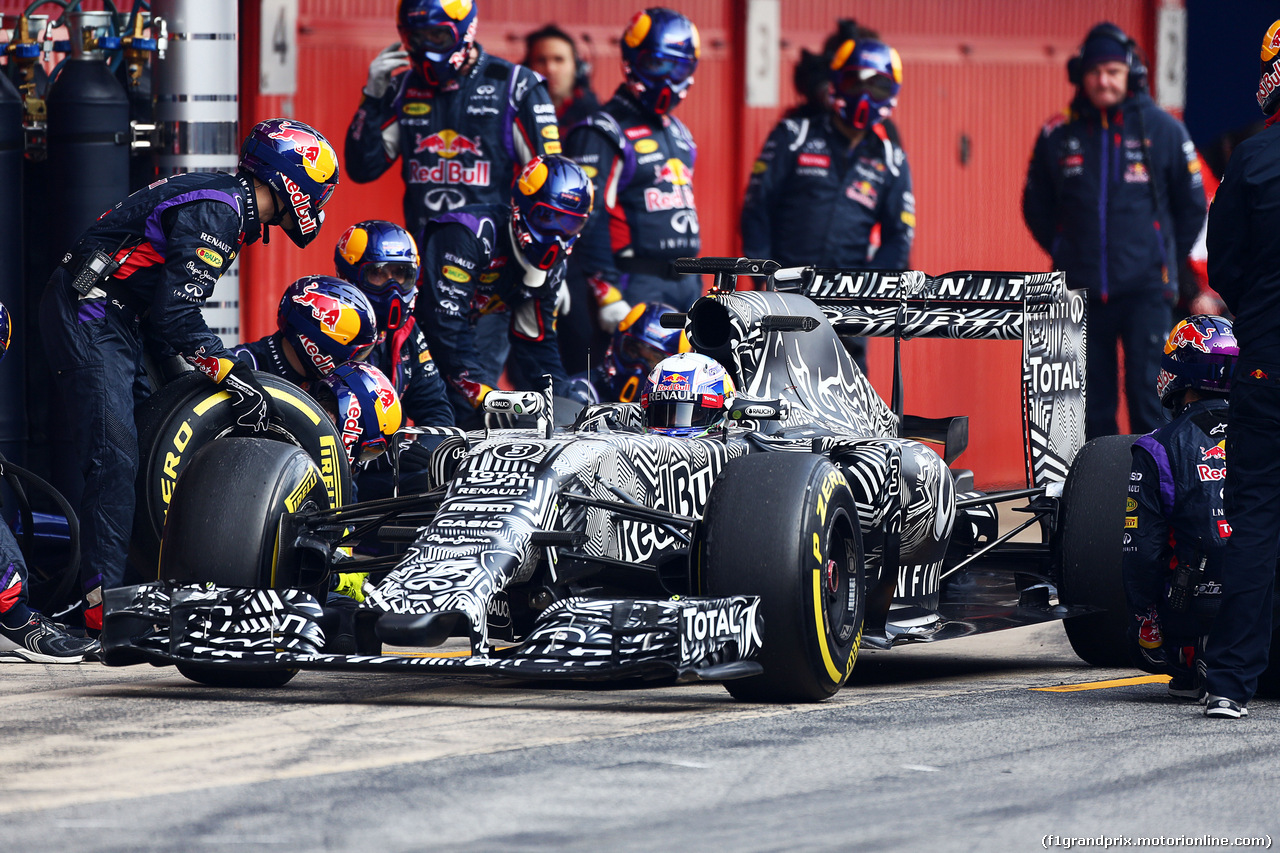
[(1114, 195)]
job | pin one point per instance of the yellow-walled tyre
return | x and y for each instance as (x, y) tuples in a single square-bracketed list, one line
[(188, 414), (784, 526)]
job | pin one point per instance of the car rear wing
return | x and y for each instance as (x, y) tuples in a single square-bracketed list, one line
[(975, 305)]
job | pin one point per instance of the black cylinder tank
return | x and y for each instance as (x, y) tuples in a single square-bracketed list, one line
[(88, 146), (13, 421)]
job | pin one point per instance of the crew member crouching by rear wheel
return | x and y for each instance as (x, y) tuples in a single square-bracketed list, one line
[(1176, 530)]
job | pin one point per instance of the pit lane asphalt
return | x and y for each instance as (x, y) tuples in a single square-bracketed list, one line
[(943, 747)]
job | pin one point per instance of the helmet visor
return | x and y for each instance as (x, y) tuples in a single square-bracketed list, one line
[(675, 69), (439, 38), (387, 276), (544, 219), (667, 415), (855, 81), (362, 354), (638, 352)]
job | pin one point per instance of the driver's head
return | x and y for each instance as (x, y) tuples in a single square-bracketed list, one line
[(685, 396)]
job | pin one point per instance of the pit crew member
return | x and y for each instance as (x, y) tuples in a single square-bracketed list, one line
[(158, 255), (641, 159), (24, 634), (461, 122), (485, 257), (822, 184), (322, 322), (636, 348), (1244, 268), (1114, 195), (1176, 531)]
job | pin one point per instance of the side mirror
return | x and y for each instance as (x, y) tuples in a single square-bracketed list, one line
[(745, 408)]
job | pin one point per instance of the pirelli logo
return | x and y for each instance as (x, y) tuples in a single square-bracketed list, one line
[(300, 492), (329, 469)]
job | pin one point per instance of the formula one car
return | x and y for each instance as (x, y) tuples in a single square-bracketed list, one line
[(821, 520)]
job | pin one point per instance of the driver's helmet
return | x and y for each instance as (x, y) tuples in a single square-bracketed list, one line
[(438, 35), (367, 407), (637, 346), (299, 165), (660, 49), (381, 259), (6, 330), (328, 322), (685, 395), (1200, 353), (866, 76), (550, 203)]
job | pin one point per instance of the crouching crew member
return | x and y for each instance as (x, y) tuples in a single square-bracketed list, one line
[(1176, 531)]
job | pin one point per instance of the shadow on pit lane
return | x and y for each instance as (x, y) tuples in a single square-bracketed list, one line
[(480, 691), (888, 668)]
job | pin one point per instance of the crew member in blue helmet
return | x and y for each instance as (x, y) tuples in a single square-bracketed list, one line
[(636, 348), (641, 159), (1176, 529), (511, 256), (159, 253)]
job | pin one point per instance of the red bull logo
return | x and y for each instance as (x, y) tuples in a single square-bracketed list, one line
[(675, 382), (304, 143), (1218, 451), (674, 172), (301, 207), (326, 309), (1187, 335), (446, 143), (386, 397)]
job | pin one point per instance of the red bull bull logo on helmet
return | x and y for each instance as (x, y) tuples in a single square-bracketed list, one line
[(326, 309), (318, 158), (1187, 335), (386, 397)]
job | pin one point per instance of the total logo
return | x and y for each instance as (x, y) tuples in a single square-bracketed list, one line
[(446, 143)]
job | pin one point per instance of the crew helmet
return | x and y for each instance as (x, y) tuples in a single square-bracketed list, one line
[(660, 49), (866, 76), (381, 259), (328, 322), (637, 346), (1200, 353), (684, 395), (368, 408), (550, 203), (300, 167), (438, 35)]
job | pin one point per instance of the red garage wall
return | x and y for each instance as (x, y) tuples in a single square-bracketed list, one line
[(985, 72)]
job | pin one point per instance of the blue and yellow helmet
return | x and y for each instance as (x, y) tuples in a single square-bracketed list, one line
[(381, 259), (660, 50), (866, 76), (300, 167), (327, 321)]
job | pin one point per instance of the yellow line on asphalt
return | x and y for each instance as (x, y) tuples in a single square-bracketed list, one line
[(1101, 685)]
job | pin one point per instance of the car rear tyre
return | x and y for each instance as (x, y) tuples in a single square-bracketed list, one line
[(223, 524), (1090, 542), (188, 414), (784, 527)]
